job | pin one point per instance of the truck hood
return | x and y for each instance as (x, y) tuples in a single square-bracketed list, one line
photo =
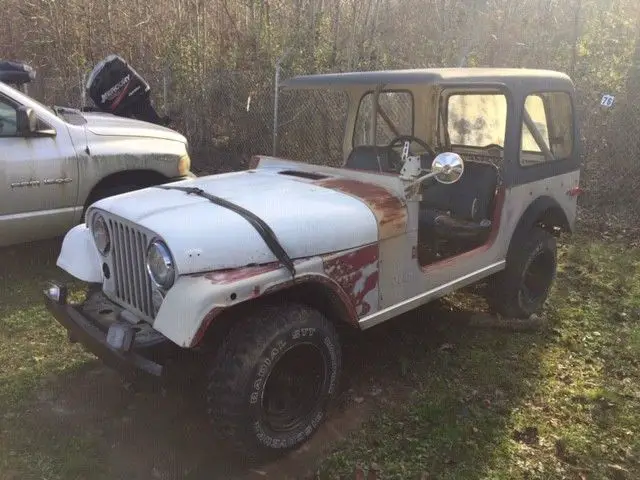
[(307, 217), (115, 126)]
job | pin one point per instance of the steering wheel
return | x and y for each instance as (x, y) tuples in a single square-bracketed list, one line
[(411, 138), (403, 138)]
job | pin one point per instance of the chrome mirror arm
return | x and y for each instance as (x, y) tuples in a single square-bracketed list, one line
[(409, 189)]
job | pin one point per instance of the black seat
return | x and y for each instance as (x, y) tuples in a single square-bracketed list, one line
[(371, 157), (461, 210)]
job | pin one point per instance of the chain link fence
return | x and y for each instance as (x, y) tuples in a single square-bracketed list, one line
[(229, 116)]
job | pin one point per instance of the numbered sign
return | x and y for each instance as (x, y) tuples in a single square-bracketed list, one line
[(607, 101)]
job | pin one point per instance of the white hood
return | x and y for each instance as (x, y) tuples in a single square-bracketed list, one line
[(113, 125), (307, 219)]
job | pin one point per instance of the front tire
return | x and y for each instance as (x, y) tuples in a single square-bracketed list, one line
[(270, 382), (523, 287)]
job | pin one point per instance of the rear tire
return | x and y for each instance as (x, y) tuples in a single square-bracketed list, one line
[(523, 287), (272, 379)]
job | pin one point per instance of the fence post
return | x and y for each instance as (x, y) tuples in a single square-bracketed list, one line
[(83, 90), (275, 102), (165, 88), (576, 38)]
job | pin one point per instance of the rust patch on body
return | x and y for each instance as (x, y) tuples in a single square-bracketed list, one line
[(223, 277), (357, 274), (232, 275), (344, 299), (352, 277), (256, 289), (389, 210)]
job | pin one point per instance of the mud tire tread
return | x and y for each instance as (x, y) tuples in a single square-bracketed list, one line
[(504, 287), (233, 367)]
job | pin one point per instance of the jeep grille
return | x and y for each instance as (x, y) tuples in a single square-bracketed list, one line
[(132, 285)]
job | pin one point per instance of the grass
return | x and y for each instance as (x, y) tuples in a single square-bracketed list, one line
[(562, 402), (33, 352)]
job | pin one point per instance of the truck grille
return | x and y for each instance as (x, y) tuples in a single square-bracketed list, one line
[(131, 282)]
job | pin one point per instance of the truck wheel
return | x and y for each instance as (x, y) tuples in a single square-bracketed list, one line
[(109, 192), (522, 288), (271, 380), (112, 191)]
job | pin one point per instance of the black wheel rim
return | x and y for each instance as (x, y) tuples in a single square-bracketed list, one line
[(293, 389), (538, 277)]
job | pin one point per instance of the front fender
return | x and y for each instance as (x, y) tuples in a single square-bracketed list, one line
[(195, 300), (79, 256)]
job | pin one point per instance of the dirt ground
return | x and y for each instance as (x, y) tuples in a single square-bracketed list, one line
[(159, 431)]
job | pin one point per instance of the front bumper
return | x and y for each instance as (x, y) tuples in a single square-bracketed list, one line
[(94, 336)]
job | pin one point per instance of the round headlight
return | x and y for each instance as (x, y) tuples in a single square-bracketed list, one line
[(160, 264), (101, 234)]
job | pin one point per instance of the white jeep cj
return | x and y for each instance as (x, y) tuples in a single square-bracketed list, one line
[(449, 176)]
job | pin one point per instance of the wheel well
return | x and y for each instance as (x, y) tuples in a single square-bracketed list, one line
[(553, 220), (312, 293), (143, 178), (544, 212), (318, 296)]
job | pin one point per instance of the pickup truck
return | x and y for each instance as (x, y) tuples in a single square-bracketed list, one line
[(55, 162)]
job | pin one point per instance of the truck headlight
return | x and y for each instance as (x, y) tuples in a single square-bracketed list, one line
[(160, 264), (101, 234), (184, 165)]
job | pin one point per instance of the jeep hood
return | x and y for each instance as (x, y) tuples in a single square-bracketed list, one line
[(307, 218), (115, 126)]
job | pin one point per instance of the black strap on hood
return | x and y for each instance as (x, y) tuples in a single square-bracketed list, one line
[(261, 227)]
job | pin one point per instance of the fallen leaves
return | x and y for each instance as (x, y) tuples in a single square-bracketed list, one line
[(528, 435)]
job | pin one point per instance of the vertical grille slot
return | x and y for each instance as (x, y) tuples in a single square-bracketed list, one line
[(141, 242), (132, 284), (117, 270), (127, 254)]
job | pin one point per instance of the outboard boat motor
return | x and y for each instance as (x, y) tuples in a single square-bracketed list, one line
[(115, 87), (16, 74)]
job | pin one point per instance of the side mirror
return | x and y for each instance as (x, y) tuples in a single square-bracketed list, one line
[(447, 167), (26, 121)]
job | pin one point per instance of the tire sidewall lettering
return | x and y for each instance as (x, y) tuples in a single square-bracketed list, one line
[(261, 372), (263, 369)]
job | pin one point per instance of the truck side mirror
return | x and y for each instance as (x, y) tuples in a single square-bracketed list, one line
[(26, 121)]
